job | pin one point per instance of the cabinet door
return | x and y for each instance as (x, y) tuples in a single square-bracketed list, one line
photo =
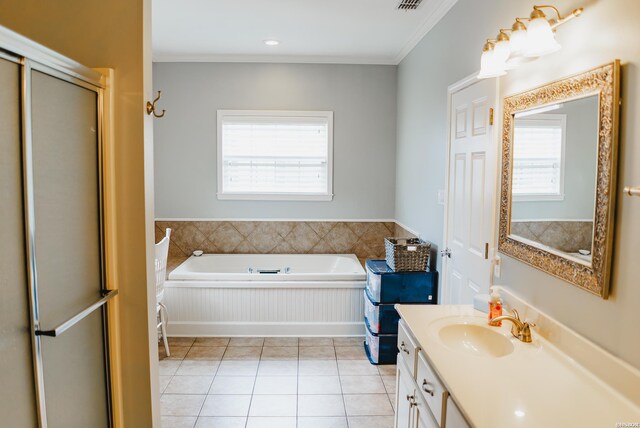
[(454, 416), (405, 396)]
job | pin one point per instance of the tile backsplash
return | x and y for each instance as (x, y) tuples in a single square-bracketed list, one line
[(364, 239)]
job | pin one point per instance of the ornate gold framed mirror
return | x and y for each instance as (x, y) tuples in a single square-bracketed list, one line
[(559, 167)]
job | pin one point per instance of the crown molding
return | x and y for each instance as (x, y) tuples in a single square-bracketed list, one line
[(281, 59), (426, 26)]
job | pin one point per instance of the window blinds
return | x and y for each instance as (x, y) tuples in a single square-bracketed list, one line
[(537, 157), (275, 154)]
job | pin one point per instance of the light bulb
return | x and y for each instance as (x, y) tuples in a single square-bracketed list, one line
[(541, 41)]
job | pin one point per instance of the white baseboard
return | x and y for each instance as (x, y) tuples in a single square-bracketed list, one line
[(264, 329)]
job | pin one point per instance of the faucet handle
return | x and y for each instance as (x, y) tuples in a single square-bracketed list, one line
[(516, 315)]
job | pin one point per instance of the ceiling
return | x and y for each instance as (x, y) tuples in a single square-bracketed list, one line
[(314, 31)]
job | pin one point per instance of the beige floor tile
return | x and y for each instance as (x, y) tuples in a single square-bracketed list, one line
[(389, 384), (211, 341), (371, 422), (205, 353), (368, 405), (281, 341), (189, 385), (246, 341), (317, 353), (177, 421), (350, 353), (226, 385), (179, 341), (362, 385), (273, 405), (242, 353), (349, 341), (238, 368), (313, 385), (276, 385), (198, 367), (322, 422), (356, 368), (392, 398), (315, 341), (168, 367), (387, 370), (177, 352), (221, 422), (271, 422), (278, 368), (279, 353), (226, 405), (318, 368), (320, 405), (164, 381), (180, 404)]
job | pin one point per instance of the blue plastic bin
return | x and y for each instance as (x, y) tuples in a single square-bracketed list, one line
[(380, 318), (387, 286), (381, 348)]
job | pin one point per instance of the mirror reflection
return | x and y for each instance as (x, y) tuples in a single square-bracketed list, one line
[(555, 152)]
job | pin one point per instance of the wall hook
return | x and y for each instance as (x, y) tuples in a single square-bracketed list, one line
[(151, 106)]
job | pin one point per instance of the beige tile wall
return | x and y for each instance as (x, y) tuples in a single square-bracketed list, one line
[(364, 239), (567, 236)]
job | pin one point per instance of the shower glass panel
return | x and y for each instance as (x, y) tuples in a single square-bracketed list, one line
[(17, 395), (67, 230)]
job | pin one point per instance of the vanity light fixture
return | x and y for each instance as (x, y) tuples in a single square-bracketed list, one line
[(522, 42), (271, 42)]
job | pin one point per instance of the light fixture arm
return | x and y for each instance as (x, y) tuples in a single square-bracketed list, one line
[(560, 19)]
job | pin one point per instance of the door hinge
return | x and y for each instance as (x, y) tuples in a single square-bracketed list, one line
[(491, 116), (486, 251), (446, 252)]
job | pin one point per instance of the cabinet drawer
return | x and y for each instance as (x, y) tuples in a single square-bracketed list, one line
[(430, 388), (408, 348)]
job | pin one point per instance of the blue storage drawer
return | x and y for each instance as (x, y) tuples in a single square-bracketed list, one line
[(387, 286), (381, 318), (381, 348)]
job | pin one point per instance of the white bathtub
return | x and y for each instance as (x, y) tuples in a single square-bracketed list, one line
[(266, 295)]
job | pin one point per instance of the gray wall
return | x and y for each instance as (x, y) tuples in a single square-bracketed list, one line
[(607, 30), (581, 150), (362, 97)]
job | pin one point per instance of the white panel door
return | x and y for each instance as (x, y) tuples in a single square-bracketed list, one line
[(471, 193)]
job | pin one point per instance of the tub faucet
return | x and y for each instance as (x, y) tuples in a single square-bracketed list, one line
[(520, 330)]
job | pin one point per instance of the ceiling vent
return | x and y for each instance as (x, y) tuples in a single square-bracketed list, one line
[(409, 4)]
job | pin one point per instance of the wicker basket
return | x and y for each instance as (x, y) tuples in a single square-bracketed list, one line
[(407, 254)]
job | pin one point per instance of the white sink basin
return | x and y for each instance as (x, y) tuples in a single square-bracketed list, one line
[(475, 339)]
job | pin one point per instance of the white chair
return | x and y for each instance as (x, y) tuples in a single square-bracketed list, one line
[(162, 252)]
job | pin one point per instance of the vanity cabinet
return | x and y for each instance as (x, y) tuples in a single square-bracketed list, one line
[(422, 401)]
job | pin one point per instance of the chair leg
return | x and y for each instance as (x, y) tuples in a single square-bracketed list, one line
[(163, 328)]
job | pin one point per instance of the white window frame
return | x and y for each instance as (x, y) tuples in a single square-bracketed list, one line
[(328, 196), (541, 118)]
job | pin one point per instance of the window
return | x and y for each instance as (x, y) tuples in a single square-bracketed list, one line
[(538, 157), (275, 155)]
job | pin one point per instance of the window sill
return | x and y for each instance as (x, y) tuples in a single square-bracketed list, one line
[(273, 197)]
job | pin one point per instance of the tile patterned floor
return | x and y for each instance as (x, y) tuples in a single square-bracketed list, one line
[(273, 383)]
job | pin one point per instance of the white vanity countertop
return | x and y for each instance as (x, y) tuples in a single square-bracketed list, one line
[(534, 386)]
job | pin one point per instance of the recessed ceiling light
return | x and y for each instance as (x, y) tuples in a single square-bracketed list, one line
[(271, 42)]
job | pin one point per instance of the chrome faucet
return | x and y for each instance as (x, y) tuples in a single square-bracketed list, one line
[(520, 330)]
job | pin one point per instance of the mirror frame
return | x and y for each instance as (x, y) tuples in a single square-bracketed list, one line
[(603, 81)]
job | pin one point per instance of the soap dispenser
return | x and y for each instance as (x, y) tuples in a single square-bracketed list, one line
[(495, 307)]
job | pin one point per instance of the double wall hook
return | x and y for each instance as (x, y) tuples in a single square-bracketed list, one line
[(151, 106)]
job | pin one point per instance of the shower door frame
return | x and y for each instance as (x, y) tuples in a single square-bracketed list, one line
[(31, 56)]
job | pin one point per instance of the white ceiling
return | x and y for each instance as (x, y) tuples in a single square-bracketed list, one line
[(318, 31)]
